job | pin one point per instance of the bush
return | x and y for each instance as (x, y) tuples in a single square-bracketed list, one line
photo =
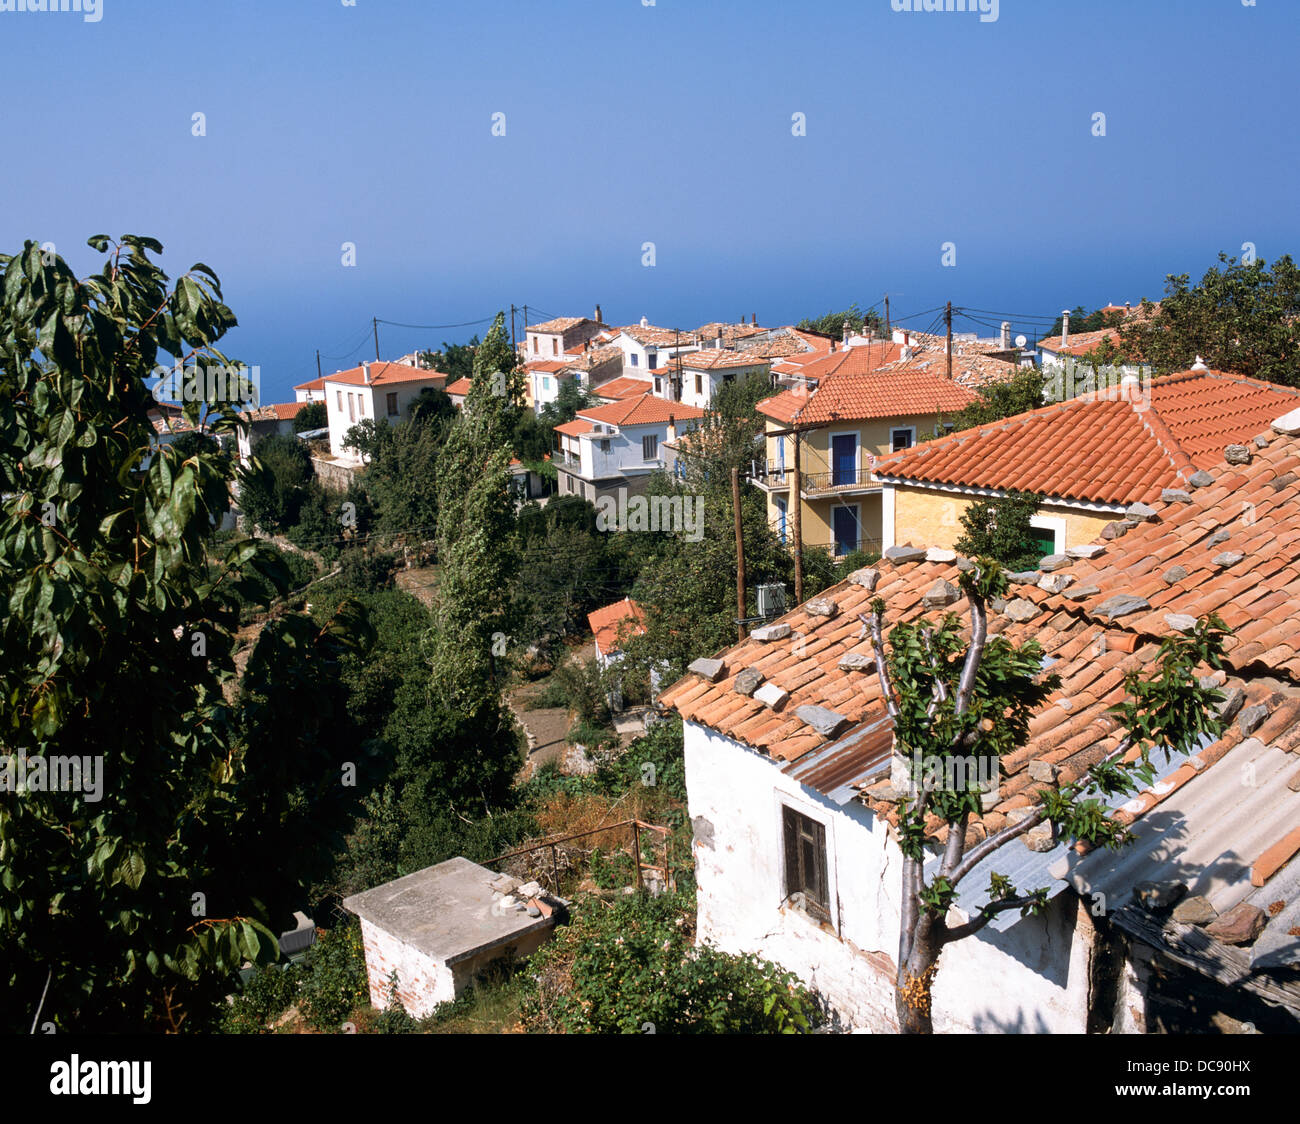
[(311, 416), (334, 982), (394, 1019), (266, 994), (553, 695), (655, 760), (365, 571), (617, 967), (585, 689)]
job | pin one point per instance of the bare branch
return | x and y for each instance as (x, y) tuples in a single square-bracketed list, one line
[(985, 915), (979, 630), (875, 627)]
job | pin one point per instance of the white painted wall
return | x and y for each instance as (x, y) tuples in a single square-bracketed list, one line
[(1030, 979), (423, 982)]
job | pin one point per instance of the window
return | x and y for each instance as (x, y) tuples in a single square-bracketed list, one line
[(534, 345), (634, 358), (340, 394), (699, 385), (392, 404), (659, 386), (652, 358), (352, 407), (361, 405), (604, 446), (649, 447), (555, 346), (902, 438), (805, 861), (546, 382)]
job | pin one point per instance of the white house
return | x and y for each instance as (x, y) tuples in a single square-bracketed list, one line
[(699, 374), (264, 421), (313, 391), (646, 347), (792, 776), (616, 446), (375, 391), (554, 339)]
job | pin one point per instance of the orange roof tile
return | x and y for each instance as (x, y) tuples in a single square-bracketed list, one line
[(719, 357), (625, 387), (574, 428), (645, 410), (384, 374), (1110, 451), (559, 324), (315, 384), (607, 623), (459, 387)]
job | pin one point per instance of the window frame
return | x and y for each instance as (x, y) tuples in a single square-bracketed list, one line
[(910, 430), (814, 884), (390, 404), (653, 439)]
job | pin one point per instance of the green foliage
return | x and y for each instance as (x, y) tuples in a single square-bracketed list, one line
[(334, 978), (1081, 320), (571, 397), (318, 524), (365, 571), (394, 1019), (269, 992), (632, 962), (585, 689), (832, 323), (118, 635), (1002, 400), (274, 486), (431, 405), (455, 360), (1240, 317), (655, 760), (1001, 529), (314, 415)]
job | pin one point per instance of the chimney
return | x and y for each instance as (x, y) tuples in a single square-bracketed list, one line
[(907, 339), (598, 319), (753, 319), (719, 343), (1065, 328), (672, 428), (845, 329), (644, 322), (365, 373), (1006, 335), (907, 352)]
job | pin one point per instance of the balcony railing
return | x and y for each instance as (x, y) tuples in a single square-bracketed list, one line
[(859, 477)]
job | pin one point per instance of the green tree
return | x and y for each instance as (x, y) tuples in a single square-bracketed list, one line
[(832, 323), (1242, 317), (1021, 393), (970, 700), (129, 905), (432, 404), (455, 360), (1002, 529), (272, 489), (312, 416)]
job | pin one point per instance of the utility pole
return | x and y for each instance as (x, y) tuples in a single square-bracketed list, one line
[(525, 318), (513, 346), (318, 370), (888, 331), (375, 323), (740, 556), (947, 319), (796, 494)]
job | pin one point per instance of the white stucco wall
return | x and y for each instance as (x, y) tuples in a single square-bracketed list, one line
[(423, 983), (1030, 979)]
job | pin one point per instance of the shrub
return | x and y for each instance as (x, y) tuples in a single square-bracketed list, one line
[(394, 1019), (334, 982), (585, 688), (263, 996), (311, 416), (617, 968)]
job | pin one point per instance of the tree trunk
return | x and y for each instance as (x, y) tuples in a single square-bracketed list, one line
[(915, 979)]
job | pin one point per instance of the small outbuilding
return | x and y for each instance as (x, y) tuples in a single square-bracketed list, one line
[(440, 927)]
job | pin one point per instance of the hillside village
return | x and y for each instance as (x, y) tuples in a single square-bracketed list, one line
[(649, 654), (1157, 500)]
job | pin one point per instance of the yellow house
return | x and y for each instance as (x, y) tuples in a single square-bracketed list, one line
[(847, 409), (1090, 457)]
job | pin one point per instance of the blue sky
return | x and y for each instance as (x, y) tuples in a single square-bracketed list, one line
[(670, 123)]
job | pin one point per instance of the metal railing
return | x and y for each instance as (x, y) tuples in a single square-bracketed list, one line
[(859, 477), (636, 826)]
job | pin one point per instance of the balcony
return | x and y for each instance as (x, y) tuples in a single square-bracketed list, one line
[(840, 481)]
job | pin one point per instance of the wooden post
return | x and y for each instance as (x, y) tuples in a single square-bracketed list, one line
[(555, 869), (318, 371), (740, 555), (375, 323), (947, 318), (636, 851), (888, 333), (796, 502)]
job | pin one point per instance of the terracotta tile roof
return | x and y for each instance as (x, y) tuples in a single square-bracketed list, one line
[(730, 332), (1080, 342), (1258, 505), (546, 366), (315, 384), (459, 387), (559, 324), (574, 428), (276, 411), (645, 410), (607, 622), (714, 358), (783, 347), (894, 391), (1107, 451), (385, 374), (625, 387), (652, 336), (594, 357)]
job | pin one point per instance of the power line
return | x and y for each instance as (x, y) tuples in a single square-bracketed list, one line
[(437, 327)]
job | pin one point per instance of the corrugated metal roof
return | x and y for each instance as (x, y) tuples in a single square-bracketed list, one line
[(838, 770)]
